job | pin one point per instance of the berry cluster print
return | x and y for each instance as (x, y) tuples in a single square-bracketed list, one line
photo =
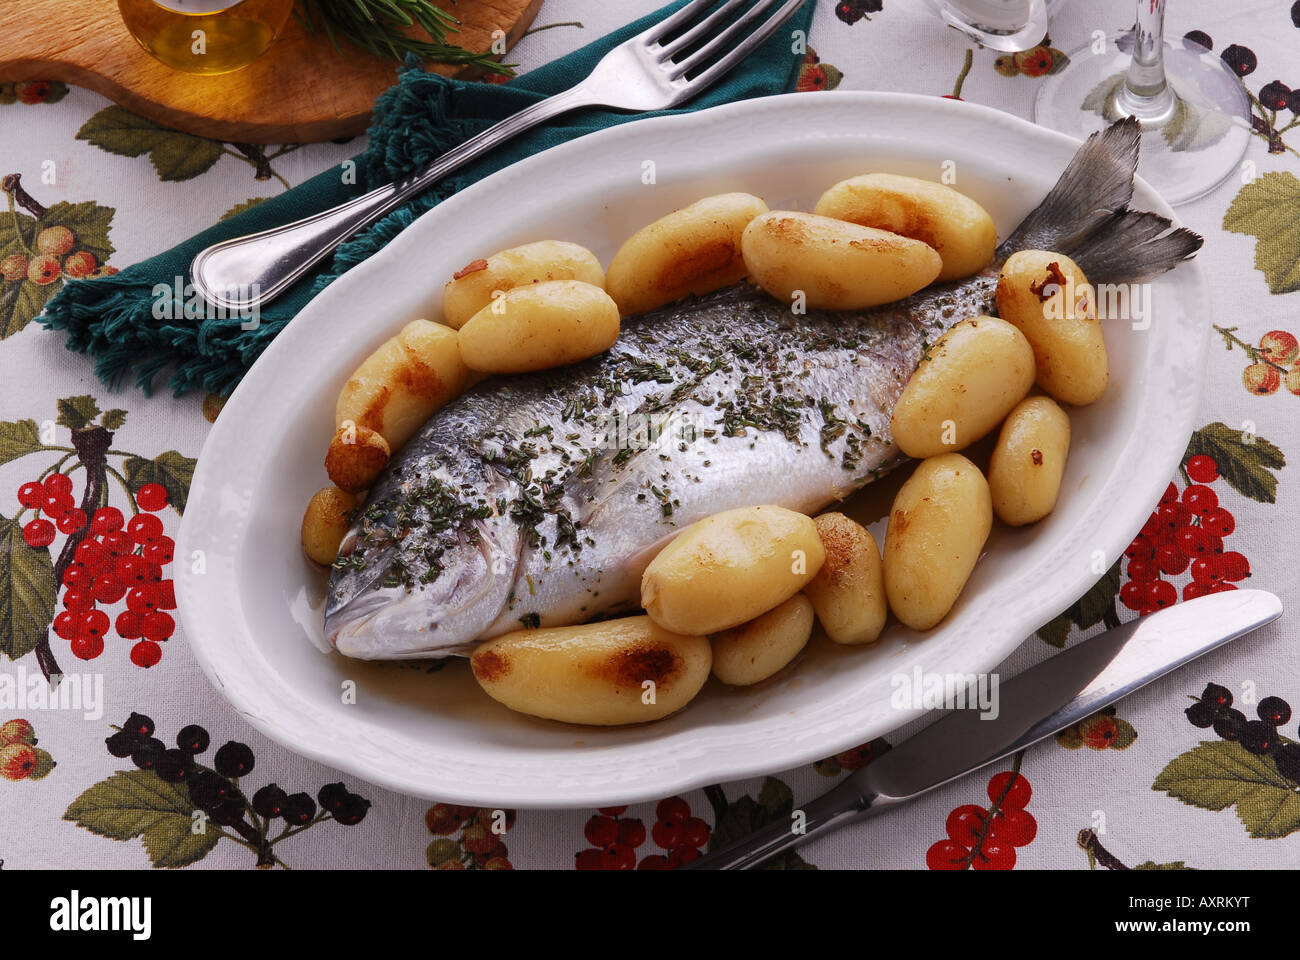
[(91, 571), (20, 757), (1184, 535), (64, 241), (615, 839), (1274, 361), (468, 838), (181, 808), (1250, 766), (986, 838)]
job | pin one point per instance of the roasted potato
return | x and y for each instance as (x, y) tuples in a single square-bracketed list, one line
[(754, 651), (1047, 296), (324, 524), (692, 250), (540, 326), (400, 386), (355, 457), (835, 264), (613, 672), (1028, 461), (938, 524), (964, 386), (958, 228), (730, 568), (848, 592), (473, 285)]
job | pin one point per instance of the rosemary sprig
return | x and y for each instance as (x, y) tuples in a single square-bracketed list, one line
[(380, 26)]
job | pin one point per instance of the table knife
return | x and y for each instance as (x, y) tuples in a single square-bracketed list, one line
[(1033, 705)]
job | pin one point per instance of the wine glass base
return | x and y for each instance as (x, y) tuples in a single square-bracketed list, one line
[(1190, 145)]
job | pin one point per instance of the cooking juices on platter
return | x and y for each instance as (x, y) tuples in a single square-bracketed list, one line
[(205, 36)]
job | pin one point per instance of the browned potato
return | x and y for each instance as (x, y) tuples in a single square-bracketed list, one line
[(400, 386), (540, 326), (938, 525), (324, 524), (731, 567), (848, 592), (473, 286), (958, 228), (1028, 462), (612, 672), (1048, 297), (969, 380), (835, 264), (756, 650), (692, 250), (355, 457)]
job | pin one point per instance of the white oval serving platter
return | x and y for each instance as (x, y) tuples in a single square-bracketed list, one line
[(254, 615)]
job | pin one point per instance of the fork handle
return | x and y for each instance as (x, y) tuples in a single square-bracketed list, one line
[(839, 806), (244, 273)]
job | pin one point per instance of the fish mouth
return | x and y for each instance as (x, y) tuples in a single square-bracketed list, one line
[(445, 618)]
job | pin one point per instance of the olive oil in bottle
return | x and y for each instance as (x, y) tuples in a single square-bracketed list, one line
[(205, 36)]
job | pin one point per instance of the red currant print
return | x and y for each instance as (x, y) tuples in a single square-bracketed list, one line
[(1202, 469), (72, 520), (86, 646), (38, 533), (159, 552), (667, 833), (947, 855), (31, 495), (157, 626), (631, 833), (151, 497), (588, 860), (1159, 595), (601, 831), (673, 808), (1234, 566), (106, 520), (1200, 499), (166, 595), (144, 528), (965, 824), (683, 854), (106, 588), (78, 601), (1010, 790), (1143, 570), (1218, 522), (58, 483), (995, 855), (146, 654), (612, 811), (1170, 560), (1133, 594), (1016, 827), (653, 862), (127, 625), (66, 624)]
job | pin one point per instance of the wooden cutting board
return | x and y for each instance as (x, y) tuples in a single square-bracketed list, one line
[(301, 89)]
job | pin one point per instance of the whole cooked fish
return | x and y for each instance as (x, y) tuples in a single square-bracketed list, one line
[(539, 499)]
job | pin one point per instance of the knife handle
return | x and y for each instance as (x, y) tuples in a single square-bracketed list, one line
[(837, 807)]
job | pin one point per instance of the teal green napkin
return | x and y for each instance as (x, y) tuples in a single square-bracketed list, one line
[(115, 320)]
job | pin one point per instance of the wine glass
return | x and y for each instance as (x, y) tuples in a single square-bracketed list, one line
[(1009, 25), (1194, 110)]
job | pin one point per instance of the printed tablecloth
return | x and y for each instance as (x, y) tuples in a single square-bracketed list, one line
[(1151, 782)]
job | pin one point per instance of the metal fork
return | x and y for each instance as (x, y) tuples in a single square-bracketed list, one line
[(661, 67)]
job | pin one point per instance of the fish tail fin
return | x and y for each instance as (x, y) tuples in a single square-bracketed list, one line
[(1087, 218)]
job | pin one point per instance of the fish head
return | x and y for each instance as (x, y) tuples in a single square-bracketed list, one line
[(371, 618)]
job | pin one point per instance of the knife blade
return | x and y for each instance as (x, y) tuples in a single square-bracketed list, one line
[(1034, 704)]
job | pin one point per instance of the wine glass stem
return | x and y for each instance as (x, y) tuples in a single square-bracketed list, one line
[(1146, 93)]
